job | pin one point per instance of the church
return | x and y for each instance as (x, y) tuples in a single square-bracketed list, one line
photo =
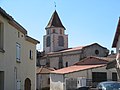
[(56, 53)]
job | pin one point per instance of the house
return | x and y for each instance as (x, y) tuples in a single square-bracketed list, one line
[(91, 70), (116, 44), (43, 78), (17, 55)]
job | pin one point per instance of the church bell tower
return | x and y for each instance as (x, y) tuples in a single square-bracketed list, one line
[(55, 38)]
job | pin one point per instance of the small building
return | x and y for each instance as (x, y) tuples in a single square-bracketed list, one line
[(17, 55), (43, 78), (93, 69)]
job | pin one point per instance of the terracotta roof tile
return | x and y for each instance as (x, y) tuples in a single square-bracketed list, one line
[(43, 70), (73, 49), (92, 60), (76, 48), (76, 68)]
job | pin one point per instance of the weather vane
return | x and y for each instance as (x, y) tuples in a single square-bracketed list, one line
[(55, 4)]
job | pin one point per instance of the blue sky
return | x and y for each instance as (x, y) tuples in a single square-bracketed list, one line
[(86, 21)]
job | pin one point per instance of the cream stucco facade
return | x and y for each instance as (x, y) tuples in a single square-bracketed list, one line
[(17, 55)]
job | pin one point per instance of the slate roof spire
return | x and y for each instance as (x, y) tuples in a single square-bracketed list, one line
[(55, 21)]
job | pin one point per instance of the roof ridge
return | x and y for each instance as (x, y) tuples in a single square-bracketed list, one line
[(55, 21)]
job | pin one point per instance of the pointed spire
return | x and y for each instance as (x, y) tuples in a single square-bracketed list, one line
[(55, 21)]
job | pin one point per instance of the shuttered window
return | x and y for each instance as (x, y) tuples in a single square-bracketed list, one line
[(18, 52)]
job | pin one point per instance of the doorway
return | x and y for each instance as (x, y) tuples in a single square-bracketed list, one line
[(27, 84), (1, 80)]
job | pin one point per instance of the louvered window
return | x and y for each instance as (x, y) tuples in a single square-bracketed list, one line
[(61, 41), (48, 41)]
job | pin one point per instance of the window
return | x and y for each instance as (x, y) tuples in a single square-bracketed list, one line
[(48, 41), (18, 34), (60, 31), (99, 76), (114, 76), (96, 52), (18, 51), (60, 41), (31, 54), (1, 36), (48, 80), (53, 30), (60, 64), (66, 64)]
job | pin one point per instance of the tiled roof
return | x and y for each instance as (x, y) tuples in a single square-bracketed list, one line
[(81, 47), (92, 60), (112, 55), (43, 70), (73, 49), (116, 34), (76, 68), (76, 48), (55, 21)]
